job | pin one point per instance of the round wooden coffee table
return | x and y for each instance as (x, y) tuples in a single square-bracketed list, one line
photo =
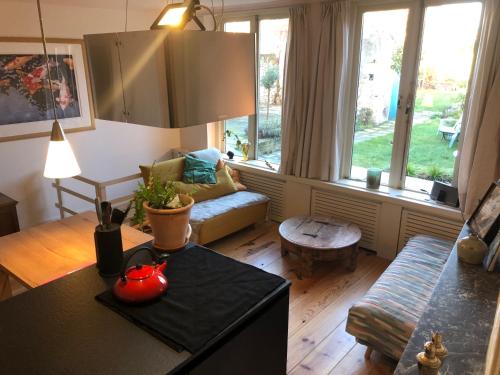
[(319, 238)]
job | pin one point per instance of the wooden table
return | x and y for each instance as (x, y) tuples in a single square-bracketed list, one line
[(319, 238), (40, 254)]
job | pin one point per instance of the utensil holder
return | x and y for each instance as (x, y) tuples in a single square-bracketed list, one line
[(108, 249)]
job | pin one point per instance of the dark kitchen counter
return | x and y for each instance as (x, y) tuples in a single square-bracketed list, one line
[(59, 328), (462, 308)]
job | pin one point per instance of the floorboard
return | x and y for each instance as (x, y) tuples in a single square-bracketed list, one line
[(317, 341)]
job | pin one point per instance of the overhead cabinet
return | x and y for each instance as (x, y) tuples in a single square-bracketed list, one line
[(172, 78)]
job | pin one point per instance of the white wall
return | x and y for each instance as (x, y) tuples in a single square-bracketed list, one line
[(112, 150)]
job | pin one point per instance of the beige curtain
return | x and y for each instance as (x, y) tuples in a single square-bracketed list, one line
[(313, 112), (480, 153)]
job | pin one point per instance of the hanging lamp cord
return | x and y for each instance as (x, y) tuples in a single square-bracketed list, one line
[(44, 42)]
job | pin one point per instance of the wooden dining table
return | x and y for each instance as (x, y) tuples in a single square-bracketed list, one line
[(38, 255)]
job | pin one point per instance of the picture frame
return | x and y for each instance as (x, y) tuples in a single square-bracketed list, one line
[(485, 220), (26, 109), (492, 256)]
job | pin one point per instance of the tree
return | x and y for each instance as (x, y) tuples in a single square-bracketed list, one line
[(397, 60), (268, 80)]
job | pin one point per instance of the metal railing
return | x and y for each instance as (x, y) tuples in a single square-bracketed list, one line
[(100, 188)]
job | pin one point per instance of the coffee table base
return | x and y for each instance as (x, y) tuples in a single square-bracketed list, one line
[(311, 255)]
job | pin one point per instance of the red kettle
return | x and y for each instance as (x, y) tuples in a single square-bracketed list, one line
[(141, 283)]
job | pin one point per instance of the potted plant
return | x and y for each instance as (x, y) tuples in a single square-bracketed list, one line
[(244, 147), (168, 213)]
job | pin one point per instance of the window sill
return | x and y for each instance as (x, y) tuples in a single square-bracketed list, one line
[(384, 193)]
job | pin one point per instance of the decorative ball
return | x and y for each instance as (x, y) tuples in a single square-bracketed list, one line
[(230, 154), (471, 249)]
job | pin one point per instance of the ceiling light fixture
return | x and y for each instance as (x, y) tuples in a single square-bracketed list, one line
[(61, 161), (177, 15)]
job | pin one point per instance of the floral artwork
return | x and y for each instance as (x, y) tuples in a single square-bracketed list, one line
[(25, 92)]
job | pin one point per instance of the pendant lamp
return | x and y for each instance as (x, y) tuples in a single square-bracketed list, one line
[(61, 161)]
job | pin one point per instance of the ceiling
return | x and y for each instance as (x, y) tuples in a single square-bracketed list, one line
[(141, 4)]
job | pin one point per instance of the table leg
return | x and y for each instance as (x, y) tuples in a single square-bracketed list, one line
[(353, 259), (5, 288), (284, 249), (308, 265)]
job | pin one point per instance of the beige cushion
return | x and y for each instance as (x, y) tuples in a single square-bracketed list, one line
[(169, 170), (203, 192)]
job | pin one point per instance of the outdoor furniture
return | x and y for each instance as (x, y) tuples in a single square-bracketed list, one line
[(319, 238), (450, 129)]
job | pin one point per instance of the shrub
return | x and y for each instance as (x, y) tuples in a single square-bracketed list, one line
[(364, 117)]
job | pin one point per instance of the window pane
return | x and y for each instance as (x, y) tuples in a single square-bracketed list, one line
[(445, 64), (237, 27), (239, 130), (238, 126), (272, 47), (383, 37)]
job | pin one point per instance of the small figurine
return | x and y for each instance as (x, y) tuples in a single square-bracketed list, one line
[(441, 350), (428, 363)]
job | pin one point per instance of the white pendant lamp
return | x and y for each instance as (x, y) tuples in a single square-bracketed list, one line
[(61, 161)]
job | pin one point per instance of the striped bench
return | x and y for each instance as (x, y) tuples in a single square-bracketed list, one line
[(386, 316)]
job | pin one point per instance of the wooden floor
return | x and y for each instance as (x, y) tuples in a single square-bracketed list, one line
[(317, 341)]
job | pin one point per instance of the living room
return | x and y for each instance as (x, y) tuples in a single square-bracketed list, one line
[(346, 150)]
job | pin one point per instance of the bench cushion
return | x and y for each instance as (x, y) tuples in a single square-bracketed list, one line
[(387, 315), (215, 218)]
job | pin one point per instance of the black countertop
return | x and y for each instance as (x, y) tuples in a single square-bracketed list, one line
[(59, 328), (462, 308)]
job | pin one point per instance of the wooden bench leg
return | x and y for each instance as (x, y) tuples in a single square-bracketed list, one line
[(368, 352), (5, 288)]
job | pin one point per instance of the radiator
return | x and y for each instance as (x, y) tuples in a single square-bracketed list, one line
[(414, 222), (269, 185), (363, 213)]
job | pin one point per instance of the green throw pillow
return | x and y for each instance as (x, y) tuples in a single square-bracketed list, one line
[(198, 171), (170, 170)]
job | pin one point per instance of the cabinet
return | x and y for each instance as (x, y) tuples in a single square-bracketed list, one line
[(9, 222)]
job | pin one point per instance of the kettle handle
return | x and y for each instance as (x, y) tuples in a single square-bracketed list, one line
[(154, 256)]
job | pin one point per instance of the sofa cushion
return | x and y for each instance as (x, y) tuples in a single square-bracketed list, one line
[(387, 315), (198, 171), (209, 154), (233, 211), (169, 170), (203, 192)]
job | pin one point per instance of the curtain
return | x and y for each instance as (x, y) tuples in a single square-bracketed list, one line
[(313, 110), (480, 153)]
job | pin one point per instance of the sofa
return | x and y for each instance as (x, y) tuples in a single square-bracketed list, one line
[(221, 208), (386, 316)]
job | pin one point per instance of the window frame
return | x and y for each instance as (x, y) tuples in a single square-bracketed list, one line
[(408, 83), (253, 120)]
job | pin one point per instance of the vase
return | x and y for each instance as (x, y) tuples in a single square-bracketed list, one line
[(471, 249), (171, 229)]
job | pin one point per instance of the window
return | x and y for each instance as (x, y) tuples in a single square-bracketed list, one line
[(237, 126), (411, 79), (273, 35), (264, 129)]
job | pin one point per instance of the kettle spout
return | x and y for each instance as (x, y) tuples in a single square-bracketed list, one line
[(162, 266)]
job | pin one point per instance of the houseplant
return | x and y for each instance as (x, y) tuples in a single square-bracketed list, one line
[(244, 147), (168, 212)]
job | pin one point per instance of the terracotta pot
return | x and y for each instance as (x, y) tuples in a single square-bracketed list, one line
[(171, 229)]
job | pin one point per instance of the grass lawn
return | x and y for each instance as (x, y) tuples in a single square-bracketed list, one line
[(441, 100), (429, 153)]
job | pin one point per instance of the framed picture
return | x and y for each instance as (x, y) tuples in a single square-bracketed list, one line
[(485, 221), (26, 109), (492, 257)]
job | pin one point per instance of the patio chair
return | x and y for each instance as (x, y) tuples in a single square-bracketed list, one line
[(449, 131)]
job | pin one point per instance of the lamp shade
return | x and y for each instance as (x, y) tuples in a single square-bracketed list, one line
[(61, 161)]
